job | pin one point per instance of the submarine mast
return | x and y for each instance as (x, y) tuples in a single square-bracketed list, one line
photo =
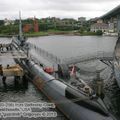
[(20, 27)]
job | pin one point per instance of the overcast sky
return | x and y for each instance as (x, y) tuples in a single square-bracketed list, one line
[(58, 8)]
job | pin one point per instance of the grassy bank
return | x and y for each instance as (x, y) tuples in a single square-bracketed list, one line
[(5, 35), (35, 34), (58, 32), (46, 33), (88, 34), (54, 32)]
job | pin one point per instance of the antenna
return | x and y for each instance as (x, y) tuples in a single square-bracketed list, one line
[(20, 26)]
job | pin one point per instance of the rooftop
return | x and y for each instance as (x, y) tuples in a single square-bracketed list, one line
[(100, 25)]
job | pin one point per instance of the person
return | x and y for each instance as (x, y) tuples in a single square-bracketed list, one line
[(1, 70), (0, 47), (8, 65), (4, 79)]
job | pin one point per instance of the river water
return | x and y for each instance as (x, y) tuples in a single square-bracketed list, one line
[(66, 47), (72, 46)]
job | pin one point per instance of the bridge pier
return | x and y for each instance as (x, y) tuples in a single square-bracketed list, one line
[(118, 23)]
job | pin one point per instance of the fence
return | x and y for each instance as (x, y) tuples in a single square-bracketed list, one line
[(72, 60)]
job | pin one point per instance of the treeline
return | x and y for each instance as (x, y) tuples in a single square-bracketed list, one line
[(49, 24), (11, 29), (44, 25)]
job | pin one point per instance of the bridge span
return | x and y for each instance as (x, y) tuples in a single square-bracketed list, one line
[(113, 19)]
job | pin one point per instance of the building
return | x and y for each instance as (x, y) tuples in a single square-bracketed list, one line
[(99, 21), (31, 26), (35, 25), (68, 21), (99, 26), (27, 28), (111, 27), (8, 22), (82, 19)]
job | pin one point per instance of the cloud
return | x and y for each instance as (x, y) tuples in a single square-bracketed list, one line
[(58, 8)]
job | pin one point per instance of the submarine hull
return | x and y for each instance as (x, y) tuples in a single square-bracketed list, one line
[(56, 92)]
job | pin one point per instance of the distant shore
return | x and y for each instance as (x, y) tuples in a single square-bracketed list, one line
[(5, 35), (48, 33), (57, 32), (53, 32)]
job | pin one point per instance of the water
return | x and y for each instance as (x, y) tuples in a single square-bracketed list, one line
[(71, 46), (66, 47)]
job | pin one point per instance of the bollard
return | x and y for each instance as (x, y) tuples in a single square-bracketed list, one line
[(99, 86)]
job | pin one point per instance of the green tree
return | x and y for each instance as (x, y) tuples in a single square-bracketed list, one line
[(99, 32)]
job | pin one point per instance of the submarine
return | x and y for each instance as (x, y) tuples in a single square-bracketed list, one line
[(74, 103)]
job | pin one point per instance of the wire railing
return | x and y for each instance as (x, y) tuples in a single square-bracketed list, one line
[(50, 57), (101, 55)]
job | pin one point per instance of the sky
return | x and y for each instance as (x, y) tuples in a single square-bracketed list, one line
[(56, 8)]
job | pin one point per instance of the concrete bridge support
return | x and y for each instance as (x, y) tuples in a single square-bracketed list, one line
[(118, 24)]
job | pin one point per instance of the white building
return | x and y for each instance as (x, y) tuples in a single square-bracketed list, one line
[(81, 20), (8, 22), (99, 26)]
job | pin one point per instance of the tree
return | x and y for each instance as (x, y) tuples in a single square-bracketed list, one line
[(1, 22), (99, 32)]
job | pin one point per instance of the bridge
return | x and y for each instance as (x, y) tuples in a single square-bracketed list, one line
[(113, 18), (113, 13)]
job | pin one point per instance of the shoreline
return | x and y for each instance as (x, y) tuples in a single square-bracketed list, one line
[(49, 33), (6, 36)]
